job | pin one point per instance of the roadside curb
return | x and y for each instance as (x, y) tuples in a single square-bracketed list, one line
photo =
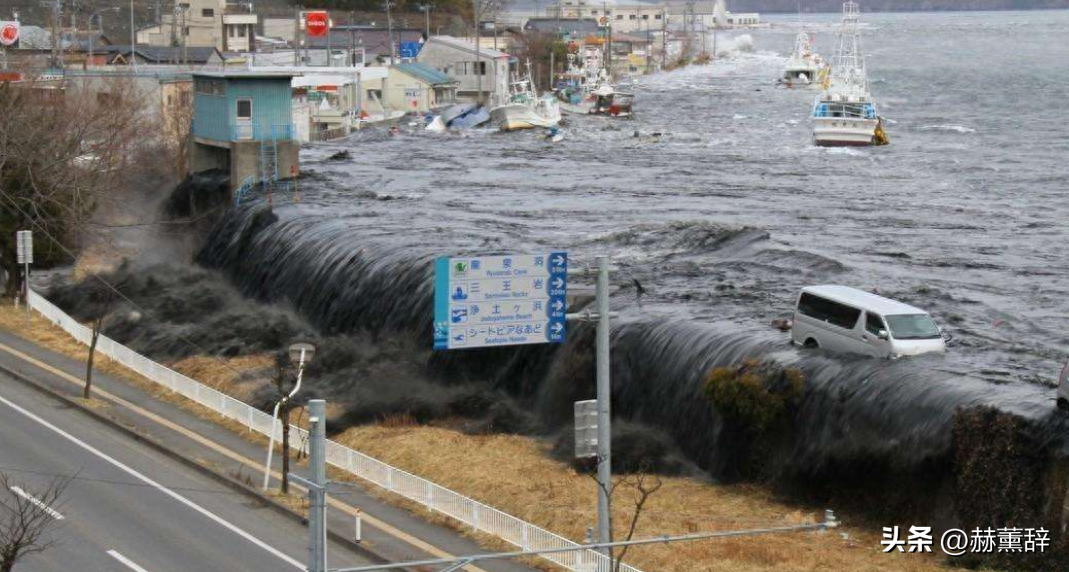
[(159, 447)]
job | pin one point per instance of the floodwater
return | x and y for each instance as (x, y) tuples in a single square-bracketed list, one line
[(726, 214), (721, 209)]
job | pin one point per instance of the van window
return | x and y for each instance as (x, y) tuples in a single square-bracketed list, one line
[(873, 323), (913, 327), (827, 311)]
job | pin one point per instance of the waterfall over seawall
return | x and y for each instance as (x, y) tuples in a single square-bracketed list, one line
[(886, 428)]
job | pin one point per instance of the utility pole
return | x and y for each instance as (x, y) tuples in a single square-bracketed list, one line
[(133, 37), (389, 26), (664, 38), (296, 36), (604, 394), (427, 14), (317, 485), (477, 9)]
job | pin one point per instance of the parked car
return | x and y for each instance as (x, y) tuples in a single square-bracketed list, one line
[(847, 320), (1063, 388)]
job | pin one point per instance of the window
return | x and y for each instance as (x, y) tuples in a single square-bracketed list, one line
[(593, 12), (656, 16), (185, 31), (827, 311), (207, 13), (913, 327), (481, 68), (241, 31), (230, 31), (633, 17), (873, 323), (244, 108), (619, 16), (645, 16)]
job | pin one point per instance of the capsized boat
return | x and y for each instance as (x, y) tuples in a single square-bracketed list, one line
[(525, 109), (845, 113)]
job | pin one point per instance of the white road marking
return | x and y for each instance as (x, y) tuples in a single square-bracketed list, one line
[(129, 563), (54, 513), (156, 485)]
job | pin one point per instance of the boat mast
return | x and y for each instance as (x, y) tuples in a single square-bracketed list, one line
[(849, 66)]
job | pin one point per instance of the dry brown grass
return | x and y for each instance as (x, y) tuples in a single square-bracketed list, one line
[(515, 474)]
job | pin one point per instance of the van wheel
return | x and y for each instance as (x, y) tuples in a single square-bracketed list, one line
[(1063, 404), (810, 343)]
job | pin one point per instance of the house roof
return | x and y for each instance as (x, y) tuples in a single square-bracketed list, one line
[(571, 26), (245, 74), (425, 73), (164, 54), (374, 40), (469, 47)]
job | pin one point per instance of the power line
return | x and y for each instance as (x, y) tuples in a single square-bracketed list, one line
[(34, 222)]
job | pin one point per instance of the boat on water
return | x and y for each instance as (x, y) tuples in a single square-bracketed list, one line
[(588, 90), (612, 102), (845, 113), (525, 109), (804, 65)]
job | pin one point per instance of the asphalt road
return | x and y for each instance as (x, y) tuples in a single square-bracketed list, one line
[(130, 508)]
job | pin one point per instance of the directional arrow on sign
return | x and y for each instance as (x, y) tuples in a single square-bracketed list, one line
[(558, 282), (558, 260), (557, 327), (558, 305)]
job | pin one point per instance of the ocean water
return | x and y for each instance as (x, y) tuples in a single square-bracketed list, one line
[(726, 213)]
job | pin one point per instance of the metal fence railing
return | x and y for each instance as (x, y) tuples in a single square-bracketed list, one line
[(478, 516)]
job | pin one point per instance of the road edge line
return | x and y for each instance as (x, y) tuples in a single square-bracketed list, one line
[(152, 443)]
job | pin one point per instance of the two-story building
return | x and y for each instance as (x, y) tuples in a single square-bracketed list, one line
[(227, 26), (482, 74), (243, 124)]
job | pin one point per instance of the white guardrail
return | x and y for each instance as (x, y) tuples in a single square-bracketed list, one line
[(475, 514)]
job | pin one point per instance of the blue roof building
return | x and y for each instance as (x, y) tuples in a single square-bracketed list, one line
[(243, 123)]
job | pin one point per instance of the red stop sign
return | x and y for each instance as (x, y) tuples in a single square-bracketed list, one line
[(316, 23), (9, 34)]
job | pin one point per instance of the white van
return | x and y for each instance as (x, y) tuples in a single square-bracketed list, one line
[(847, 320)]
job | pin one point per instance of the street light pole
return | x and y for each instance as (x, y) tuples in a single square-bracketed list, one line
[(604, 395), (301, 353)]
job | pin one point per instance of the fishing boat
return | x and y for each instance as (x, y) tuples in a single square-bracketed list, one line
[(575, 87), (845, 113), (804, 65), (525, 109), (612, 102)]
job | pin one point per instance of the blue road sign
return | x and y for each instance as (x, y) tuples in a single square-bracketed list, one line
[(490, 301), (409, 49)]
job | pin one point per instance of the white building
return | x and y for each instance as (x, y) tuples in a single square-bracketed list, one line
[(485, 68), (632, 18), (227, 26)]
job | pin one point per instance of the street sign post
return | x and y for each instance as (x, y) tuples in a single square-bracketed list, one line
[(24, 257), (488, 301)]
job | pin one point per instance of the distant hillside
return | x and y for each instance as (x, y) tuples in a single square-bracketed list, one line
[(893, 5)]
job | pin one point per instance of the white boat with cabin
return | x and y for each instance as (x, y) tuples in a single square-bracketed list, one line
[(525, 109), (845, 113), (804, 65)]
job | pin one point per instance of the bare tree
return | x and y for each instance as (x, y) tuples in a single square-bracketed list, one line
[(27, 520), (645, 484), (103, 292), (65, 145)]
